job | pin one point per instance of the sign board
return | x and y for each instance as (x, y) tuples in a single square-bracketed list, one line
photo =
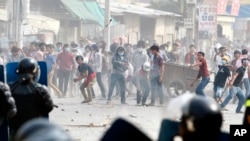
[(207, 17), (221, 6), (235, 7)]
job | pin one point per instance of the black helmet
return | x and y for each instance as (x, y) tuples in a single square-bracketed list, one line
[(28, 66), (201, 117)]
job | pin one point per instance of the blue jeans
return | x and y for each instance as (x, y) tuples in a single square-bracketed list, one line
[(238, 92), (156, 90), (202, 85), (217, 92), (117, 78), (145, 91)]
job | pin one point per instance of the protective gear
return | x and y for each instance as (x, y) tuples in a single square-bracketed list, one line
[(41, 130), (201, 118), (7, 103), (28, 68), (32, 101), (223, 62), (245, 61), (67, 49), (151, 56), (140, 50), (121, 53), (119, 59), (146, 66)]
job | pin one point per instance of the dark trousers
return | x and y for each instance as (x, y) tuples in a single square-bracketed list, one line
[(63, 80), (141, 98), (156, 89), (100, 84), (117, 78)]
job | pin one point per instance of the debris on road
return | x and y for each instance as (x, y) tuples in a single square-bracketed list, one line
[(132, 116)]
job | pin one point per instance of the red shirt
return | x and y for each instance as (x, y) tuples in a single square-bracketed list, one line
[(65, 61), (203, 72)]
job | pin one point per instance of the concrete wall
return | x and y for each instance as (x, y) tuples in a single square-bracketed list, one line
[(132, 22), (227, 23), (165, 29)]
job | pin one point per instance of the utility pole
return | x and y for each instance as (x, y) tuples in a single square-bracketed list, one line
[(107, 25), (17, 12), (10, 18)]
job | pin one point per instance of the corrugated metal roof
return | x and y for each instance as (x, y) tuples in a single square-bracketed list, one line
[(129, 8), (86, 10), (43, 23)]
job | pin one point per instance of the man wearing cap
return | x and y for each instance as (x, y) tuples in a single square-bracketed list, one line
[(221, 79), (234, 85), (218, 57), (141, 81)]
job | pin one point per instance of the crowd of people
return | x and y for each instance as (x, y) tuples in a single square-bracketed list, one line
[(79, 66), (141, 66)]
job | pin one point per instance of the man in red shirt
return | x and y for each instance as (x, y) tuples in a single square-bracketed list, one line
[(203, 73), (191, 56), (65, 61)]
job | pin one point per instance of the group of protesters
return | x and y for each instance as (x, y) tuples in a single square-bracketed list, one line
[(85, 63), (126, 66)]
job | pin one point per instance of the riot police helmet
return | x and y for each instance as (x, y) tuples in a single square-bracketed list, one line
[(29, 66), (200, 117)]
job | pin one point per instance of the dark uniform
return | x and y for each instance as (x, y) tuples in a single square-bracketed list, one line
[(7, 103), (7, 109), (201, 120), (32, 99)]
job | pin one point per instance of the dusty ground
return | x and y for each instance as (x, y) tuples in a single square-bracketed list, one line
[(89, 122)]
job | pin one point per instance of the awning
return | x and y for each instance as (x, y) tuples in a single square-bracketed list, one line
[(244, 11), (88, 11), (129, 8), (3, 15), (40, 23)]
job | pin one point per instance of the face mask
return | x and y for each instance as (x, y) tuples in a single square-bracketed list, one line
[(140, 50), (122, 58), (121, 53), (151, 56), (223, 62), (67, 49)]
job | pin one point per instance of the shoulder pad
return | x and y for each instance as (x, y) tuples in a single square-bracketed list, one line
[(41, 87), (4, 87)]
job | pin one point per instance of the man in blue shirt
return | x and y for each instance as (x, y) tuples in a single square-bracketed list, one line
[(51, 67)]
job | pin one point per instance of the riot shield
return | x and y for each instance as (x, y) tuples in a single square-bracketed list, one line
[(4, 125), (11, 74)]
